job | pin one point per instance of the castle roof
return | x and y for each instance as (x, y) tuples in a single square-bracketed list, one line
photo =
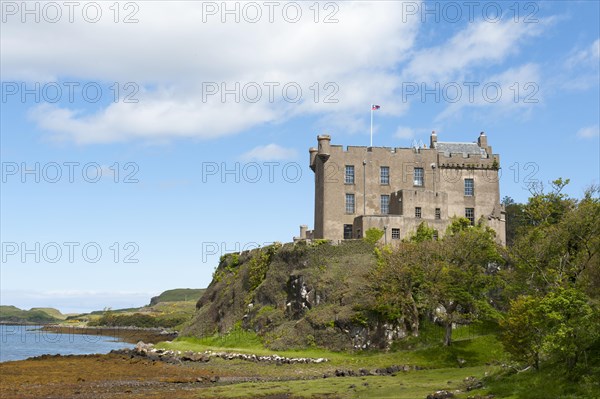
[(460, 148)]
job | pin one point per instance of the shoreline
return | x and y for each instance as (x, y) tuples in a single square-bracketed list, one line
[(130, 335)]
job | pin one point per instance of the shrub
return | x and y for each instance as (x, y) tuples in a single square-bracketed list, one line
[(373, 235)]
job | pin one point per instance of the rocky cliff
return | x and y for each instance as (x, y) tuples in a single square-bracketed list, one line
[(295, 296)]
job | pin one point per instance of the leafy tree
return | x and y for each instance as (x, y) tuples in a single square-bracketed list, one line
[(457, 225), (547, 208), (373, 235), (554, 276), (396, 285), (560, 326), (515, 219), (570, 328), (522, 330), (560, 244), (423, 233), (458, 283), (449, 278)]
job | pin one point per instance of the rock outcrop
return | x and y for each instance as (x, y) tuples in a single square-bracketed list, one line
[(296, 296)]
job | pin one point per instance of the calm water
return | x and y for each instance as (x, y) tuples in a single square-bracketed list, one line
[(21, 342)]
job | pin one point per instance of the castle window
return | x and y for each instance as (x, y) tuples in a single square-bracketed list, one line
[(395, 234), (385, 204), (347, 232), (418, 212), (418, 177), (384, 175), (349, 203), (349, 176), (469, 187), (470, 214), (438, 213)]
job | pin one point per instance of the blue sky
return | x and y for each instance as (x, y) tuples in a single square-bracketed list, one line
[(163, 134)]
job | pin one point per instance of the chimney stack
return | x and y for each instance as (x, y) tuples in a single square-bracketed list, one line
[(482, 140), (433, 139)]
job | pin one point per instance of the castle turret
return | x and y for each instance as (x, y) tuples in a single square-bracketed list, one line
[(324, 146), (313, 156), (303, 230)]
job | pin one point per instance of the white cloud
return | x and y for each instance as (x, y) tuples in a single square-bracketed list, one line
[(514, 90), (171, 53), (589, 56), (589, 132), (480, 43), (269, 152), (154, 119), (580, 70)]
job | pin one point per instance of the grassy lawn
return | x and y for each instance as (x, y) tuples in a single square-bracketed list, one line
[(475, 352), (440, 369), (480, 357), (411, 385)]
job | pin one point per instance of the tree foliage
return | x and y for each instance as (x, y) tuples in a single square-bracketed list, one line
[(373, 235), (554, 279), (449, 278), (545, 287), (423, 233)]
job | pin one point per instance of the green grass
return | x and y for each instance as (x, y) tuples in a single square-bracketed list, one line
[(549, 382), (411, 385), (179, 295), (483, 356), (475, 352), (51, 312), (162, 314)]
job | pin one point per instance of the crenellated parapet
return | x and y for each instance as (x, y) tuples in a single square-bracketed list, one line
[(458, 161)]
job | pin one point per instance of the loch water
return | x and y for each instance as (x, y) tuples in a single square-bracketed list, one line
[(18, 342)]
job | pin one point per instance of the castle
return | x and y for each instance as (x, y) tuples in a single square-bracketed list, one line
[(396, 189)]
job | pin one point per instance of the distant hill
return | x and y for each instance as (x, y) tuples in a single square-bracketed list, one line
[(52, 312), (169, 309), (178, 295), (12, 314)]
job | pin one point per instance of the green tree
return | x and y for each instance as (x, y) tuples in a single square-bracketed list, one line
[(515, 219), (560, 244), (423, 233), (554, 276), (459, 281), (396, 284), (522, 330), (450, 278), (547, 208), (458, 225), (571, 325), (560, 326), (373, 235)]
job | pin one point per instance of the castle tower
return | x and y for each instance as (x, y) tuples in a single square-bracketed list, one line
[(397, 189)]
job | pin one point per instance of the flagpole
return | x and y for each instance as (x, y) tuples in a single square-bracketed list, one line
[(371, 125)]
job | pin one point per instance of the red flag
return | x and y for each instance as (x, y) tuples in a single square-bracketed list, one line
[(375, 107)]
